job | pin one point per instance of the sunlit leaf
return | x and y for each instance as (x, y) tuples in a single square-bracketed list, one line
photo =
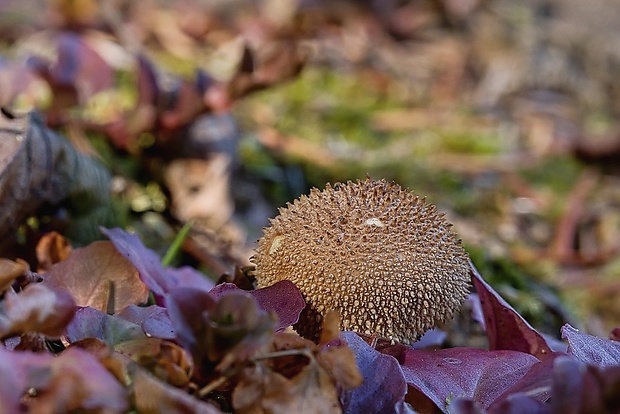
[(52, 248), (100, 277)]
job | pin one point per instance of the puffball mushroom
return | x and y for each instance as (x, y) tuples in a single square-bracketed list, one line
[(384, 258)]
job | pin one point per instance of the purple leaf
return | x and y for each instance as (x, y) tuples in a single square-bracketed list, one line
[(152, 273), (476, 374), (384, 387), (591, 349), (91, 323), (506, 329), (74, 381), (186, 308), (188, 276), (518, 404), (432, 338), (12, 379), (282, 298), (536, 383), (78, 65), (154, 320)]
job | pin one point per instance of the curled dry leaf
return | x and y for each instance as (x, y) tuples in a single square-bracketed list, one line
[(263, 391), (340, 363), (52, 248), (37, 308), (100, 277), (9, 271), (166, 360), (152, 396)]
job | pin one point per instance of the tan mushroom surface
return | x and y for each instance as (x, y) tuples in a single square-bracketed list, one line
[(383, 257)]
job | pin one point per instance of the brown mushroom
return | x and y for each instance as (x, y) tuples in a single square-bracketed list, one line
[(380, 255)]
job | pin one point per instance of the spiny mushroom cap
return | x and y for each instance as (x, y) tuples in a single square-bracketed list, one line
[(378, 254)]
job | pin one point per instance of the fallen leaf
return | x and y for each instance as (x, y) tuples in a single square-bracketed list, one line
[(506, 329), (166, 360), (384, 387), (238, 329), (52, 248), (37, 308), (154, 320), (92, 323), (9, 271), (38, 166), (158, 279), (591, 349), (262, 391), (152, 396), (476, 374), (340, 363), (73, 381), (98, 276), (283, 298)]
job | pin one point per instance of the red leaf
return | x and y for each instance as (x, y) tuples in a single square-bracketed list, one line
[(506, 329), (476, 374), (283, 298)]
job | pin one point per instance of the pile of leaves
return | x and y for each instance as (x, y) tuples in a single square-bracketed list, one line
[(108, 328)]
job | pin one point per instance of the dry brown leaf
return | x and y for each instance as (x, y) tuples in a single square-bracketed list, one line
[(167, 360), (154, 396), (9, 271), (331, 327), (340, 363), (100, 277), (52, 248), (262, 391)]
